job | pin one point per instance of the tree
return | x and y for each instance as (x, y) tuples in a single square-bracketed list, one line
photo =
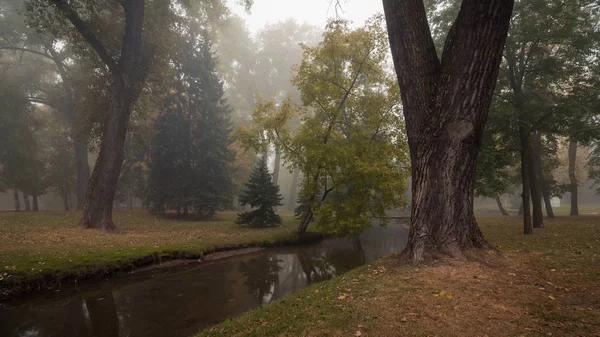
[(349, 143), (134, 174), (191, 156), (263, 196), (445, 106), (20, 166), (128, 72), (54, 58), (546, 85)]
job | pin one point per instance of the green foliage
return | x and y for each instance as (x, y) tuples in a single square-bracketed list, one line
[(547, 84), (134, 172), (20, 165), (58, 155), (263, 196), (349, 145), (190, 153)]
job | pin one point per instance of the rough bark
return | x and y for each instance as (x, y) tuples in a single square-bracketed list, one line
[(524, 140), (573, 177), (26, 201), (445, 106), (293, 190), (127, 77), (36, 206), (17, 202), (501, 207)]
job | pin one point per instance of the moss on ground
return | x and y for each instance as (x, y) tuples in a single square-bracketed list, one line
[(42, 249), (543, 284)]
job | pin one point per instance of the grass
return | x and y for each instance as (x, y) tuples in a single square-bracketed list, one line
[(544, 284), (48, 247)]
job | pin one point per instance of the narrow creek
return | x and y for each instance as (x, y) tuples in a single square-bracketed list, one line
[(181, 300)]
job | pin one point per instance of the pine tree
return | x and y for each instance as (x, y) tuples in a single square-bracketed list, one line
[(190, 154), (262, 195)]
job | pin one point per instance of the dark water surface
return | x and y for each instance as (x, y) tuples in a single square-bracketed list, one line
[(179, 301)]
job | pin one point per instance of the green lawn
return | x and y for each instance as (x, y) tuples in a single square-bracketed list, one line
[(50, 246), (544, 284)]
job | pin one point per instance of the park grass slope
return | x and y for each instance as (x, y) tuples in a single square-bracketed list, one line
[(43, 250), (545, 284)]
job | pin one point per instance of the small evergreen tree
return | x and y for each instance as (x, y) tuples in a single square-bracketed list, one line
[(262, 195)]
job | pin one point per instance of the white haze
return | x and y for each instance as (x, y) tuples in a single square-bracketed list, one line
[(315, 12)]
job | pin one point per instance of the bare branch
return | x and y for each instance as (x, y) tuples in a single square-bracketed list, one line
[(27, 50)]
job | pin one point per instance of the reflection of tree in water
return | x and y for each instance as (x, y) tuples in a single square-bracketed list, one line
[(321, 265), (261, 275)]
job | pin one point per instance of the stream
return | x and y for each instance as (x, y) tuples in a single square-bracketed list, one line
[(181, 300)]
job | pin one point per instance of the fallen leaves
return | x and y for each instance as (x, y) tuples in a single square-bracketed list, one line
[(443, 294), (358, 333)]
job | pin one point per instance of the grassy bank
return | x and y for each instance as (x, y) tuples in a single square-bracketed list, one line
[(545, 284), (46, 248)]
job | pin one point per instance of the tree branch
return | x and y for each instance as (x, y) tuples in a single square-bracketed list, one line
[(27, 50), (87, 34)]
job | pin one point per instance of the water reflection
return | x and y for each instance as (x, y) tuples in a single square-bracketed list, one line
[(180, 301)]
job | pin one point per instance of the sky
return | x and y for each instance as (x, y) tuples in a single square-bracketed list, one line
[(315, 12)]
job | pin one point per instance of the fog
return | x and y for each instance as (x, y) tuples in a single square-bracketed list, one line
[(200, 89)]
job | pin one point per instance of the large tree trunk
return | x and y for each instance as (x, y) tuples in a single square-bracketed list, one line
[(500, 206), (17, 202), (536, 194), (36, 206), (573, 177), (103, 182), (524, 140), (83, 170), (293, 190), (127, 78), (26, 201), (445, 106)]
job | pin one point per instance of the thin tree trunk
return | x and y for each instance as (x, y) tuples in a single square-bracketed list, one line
[(36, 207), (17, 202), (539, 172), (127, 78), (500, 206), (573, 177), (26, 201), (276, 167), (545, 189), (66, 199), (445, 106), (83, 170), (536, 194), (130, 201), (527, 227), (293, 190), (520, 211)]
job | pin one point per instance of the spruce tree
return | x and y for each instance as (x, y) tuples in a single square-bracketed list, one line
[(190, 153), (262, 195)]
